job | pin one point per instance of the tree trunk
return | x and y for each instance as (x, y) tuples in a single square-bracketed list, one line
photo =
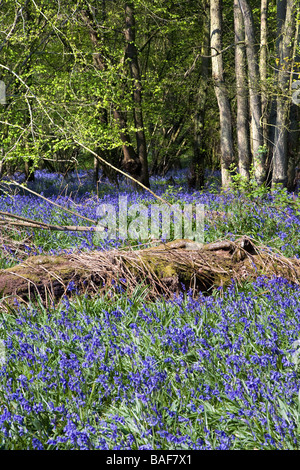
[(29, 169), (259, 156), (96, 170), (226, 142), (197, 167), (29, 163), (280, 16), (132, 55), (1, 167), (285, 54), (3, 135), (293, 145), (263, 69), (294, 131), (242, 128), (131, 163)]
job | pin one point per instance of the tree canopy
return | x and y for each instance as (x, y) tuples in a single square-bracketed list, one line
[(149, 85)]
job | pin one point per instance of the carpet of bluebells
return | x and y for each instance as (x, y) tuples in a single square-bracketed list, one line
[(219, 371)]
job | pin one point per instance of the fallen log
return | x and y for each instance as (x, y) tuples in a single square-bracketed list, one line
[(166, 269)]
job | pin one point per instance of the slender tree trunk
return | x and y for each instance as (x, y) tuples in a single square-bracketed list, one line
[(1, 163), (96, 170), (281, 6), (2, 127), (226, 142), (244, 153), (99, 64), (29, 170), (259, 157), (197, 167), (131, 162), (280, 16), (132, 56), (29, 163), (280, 156), (293, 145), (263, 68), (3, 135), (294, 131)]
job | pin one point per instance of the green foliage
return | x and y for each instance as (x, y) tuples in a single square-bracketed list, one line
[(247, 187), (52, 52), (171, 194)]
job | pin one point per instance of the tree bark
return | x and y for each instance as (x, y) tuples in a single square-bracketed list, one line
[(259, 156), (294, 130), (293, 145), (285, 52), (226, 142), (197, 167), (263, 69), (29, 163), (131, 162), (242, 128), (280, 17), (132, 55)]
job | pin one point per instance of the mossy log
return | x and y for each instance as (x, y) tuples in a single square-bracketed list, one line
[(166, 269)]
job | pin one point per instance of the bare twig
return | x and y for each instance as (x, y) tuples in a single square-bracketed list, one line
[(51, 202), (61, 228), (25, 222)]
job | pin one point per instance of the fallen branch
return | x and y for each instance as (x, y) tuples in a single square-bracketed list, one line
[(30, 223), (64, 209), (164, 270), (61, 228)]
